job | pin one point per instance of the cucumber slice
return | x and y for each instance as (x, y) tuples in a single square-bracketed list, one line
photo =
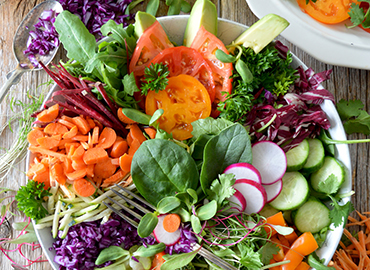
[(294, 193), (297, 156), (329, 177), (315, 158), (312, 216)]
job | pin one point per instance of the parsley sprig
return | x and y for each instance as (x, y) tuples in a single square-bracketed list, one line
[(156, 78), (30, 199)]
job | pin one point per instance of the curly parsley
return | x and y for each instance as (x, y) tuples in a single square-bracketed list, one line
[(156, 78), (30, 199)]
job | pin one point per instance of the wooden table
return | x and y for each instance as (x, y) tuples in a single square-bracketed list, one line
[(345, 83)]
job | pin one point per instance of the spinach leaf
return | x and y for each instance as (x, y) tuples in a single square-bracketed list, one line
[(76, 39), (231, 146), (209, 126), (161, 168)]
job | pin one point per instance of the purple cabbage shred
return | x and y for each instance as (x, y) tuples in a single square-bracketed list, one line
[(187, 238)]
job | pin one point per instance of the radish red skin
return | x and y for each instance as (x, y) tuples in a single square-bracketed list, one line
[(270, 160), (162, 236), (237, 202), (244, 171), (273, 190), (254, 194)]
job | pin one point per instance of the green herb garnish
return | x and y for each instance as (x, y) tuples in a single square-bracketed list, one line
[(156, 77)]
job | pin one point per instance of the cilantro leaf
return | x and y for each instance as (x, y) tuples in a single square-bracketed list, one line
[(356, 14), (30, 199), (155, 77), (349, 108), (329, 185), (249, 258), (361, 124), (267, 252), (355, 118), (339, 213), (221, 189)]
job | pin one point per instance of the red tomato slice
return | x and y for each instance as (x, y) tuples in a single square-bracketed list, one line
[(184, 60), (207, 44), (152, 41)]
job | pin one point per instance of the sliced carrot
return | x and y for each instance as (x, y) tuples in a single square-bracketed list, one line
[(125, 162), (49, 114), (95, 155), (105, 169), (71, 133), (284, 242), (82, 124), (134, 146), (76, 174), (55, 128), (49, 142), (115, 161), (83, 187), (151, 132), (136, 133), (78, 153), (81, 138), (33, 135), (123, 118), (158, 261), (129, 139), (119, 138), (277, 219), (67, 165), (78, 164), (90, 122), (66, 123), (95, 135), (114, 179), (171, 222), (62, 143), (57, 173), (90, 171), (43, 178), (118, 149), (36, 169), (291, 237), (107, 138)]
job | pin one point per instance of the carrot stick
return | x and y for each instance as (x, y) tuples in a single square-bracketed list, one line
[(357, 244), (365, 219), (171, 222), (83, 187), (49, 114)]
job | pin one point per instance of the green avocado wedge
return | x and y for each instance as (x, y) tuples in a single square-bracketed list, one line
[(143, 21)]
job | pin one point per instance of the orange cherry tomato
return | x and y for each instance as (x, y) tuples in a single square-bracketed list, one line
[(207, 44), (327, 11), (184, 100), (184, 60)]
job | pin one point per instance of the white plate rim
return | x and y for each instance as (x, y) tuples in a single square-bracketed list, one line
[(331, 44), (174, 25)]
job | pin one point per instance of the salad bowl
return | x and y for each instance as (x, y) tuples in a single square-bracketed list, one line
[(227, 32), (332, 44)]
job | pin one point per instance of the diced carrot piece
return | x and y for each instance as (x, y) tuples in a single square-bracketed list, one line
[(119, 138), (291, 237), (49, 142), (114, 179), (284, 242), (76, 174), (57, 173), (49, 114), (82, 124), (118, 149), (125, 162), (71, 133), (105, 169), (107, 138), (55, 129), (33, 135), (83, 187), (95, 155)]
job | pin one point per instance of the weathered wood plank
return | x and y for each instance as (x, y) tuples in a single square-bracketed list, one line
[(345, 83)]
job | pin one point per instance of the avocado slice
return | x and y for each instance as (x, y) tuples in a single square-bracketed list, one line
[(262, 32), (143, 21), (204, 13)]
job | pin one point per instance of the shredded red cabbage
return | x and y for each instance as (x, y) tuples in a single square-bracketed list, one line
[(84, 241), (43, 39), (184, 244), (296, 116), (96, 13)]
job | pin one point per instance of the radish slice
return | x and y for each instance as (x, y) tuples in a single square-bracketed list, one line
[(270, 160), (254, 194), (244, 171), (237, 202), (162, 236), (273, 190)]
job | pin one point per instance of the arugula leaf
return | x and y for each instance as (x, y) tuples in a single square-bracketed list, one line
[(30, 199), (221, 189), (155, 77), (122, 35), (339, 213)]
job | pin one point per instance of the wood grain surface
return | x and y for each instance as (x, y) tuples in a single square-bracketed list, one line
[(345, 83)]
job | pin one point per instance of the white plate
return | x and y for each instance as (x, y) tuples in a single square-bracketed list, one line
[(331, 44), (228, 31)]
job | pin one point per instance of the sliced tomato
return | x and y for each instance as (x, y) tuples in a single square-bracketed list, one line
[(184, 60), (152, 41), (327, 11), (184, 100), (207, 44)]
